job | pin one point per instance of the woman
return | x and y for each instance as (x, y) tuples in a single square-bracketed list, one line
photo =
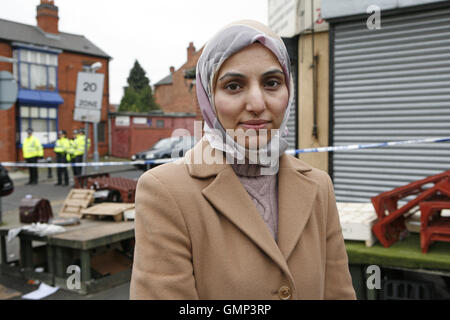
[(237, 218)]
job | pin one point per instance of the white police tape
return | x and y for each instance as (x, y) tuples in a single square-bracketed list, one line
[(160, 161), (86, 164), (366, 146)]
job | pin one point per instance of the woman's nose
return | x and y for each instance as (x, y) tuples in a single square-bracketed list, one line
[(255, 100)]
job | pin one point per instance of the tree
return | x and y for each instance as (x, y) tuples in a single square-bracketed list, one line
[(138, 96)]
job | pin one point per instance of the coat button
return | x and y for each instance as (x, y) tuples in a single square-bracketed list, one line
[(284, 293)]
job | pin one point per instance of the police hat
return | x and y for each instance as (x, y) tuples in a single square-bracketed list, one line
[(75, 131), (30, 130), (81, 130), (62, 132)]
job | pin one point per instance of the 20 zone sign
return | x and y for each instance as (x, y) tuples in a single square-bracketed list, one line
[(88, 98), (89, 86)]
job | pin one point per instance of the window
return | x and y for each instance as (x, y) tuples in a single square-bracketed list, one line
[(43, 120), (160, 123), (36, 70)]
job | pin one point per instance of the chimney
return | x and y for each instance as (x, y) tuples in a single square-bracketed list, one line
[(190, 51), (47, 16), (172, 69)]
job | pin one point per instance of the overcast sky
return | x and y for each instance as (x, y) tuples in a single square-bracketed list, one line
[(156, 32)]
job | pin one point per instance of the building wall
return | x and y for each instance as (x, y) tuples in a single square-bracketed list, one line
[(305, 114), (69, 64), (133, 138), (179, 96), (7, 117)]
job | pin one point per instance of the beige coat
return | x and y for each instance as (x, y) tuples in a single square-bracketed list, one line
[(200, 236)]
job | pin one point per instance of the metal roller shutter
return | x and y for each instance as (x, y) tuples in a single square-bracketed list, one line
[(292, 124), (390, 84), (292, 48)]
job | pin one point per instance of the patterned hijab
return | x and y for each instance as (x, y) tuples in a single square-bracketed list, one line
[(222, 46)]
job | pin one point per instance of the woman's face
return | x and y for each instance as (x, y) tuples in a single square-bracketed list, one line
[(251, 95)]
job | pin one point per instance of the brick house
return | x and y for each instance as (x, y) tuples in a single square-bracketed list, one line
[(46, 68), (176, 92)]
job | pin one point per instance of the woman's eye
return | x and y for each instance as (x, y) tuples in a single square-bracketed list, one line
[(272, 83), (233, 87)]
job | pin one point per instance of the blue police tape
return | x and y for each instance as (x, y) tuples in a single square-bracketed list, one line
[(160, 161)]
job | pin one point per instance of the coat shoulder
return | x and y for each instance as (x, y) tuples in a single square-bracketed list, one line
[(309, 171), (168, 173)]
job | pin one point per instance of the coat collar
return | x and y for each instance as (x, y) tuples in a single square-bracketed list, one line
[(296, 194), (201, 163)]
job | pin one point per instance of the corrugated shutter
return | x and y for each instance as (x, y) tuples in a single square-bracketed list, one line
[(292, 137), (390, 84), (292, 48)]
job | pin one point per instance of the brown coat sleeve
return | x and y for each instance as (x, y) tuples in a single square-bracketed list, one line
[(162, 267), (338, 282)]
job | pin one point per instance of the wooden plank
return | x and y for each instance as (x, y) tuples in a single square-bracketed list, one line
[(108, 208), (76, 200), (97, 238), (107, 228)]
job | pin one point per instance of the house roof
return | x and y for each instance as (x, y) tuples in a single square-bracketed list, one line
[(166, 80), (19, 32)]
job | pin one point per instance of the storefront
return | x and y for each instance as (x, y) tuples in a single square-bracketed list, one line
[(388, 84)]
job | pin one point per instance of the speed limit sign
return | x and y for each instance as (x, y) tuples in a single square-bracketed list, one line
[(88, 99)]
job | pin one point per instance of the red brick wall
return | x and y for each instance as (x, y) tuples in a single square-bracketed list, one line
[(134, 138), (47, 20), (179, 96), (69, 64), (7, 117)]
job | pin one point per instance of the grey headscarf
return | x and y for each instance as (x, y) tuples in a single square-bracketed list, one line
[(222, 46)]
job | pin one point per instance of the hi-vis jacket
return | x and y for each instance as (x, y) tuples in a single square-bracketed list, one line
[(32, 148), (62, 145), (79, 144)]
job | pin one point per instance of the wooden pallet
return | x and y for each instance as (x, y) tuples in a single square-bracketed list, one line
[(77, 200), (107, 209), (356, 221)]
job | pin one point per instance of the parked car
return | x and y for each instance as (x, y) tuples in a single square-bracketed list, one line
[(164, 149)]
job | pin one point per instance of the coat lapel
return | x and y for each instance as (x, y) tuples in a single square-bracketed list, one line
[(296, 195), (228, 196)]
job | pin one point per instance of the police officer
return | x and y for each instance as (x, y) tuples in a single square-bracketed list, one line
[(78, 146), (32, 150), (61, 149)]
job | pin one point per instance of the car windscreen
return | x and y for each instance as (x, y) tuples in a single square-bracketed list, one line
[(165, 143)]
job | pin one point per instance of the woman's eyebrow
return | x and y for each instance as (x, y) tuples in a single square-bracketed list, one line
[(271, 72), (232, 74), (240, 75)]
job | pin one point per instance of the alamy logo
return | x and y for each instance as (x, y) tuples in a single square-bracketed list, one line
[(374, 21), (266, 156), (374, 280), (73, 282)]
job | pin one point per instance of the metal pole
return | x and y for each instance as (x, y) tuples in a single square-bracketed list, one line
[(95, 133), (96, 159), (86, 137)]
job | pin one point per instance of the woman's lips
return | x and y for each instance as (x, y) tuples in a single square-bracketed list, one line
[(255, 124)]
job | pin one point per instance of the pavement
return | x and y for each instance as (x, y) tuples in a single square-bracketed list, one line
[(9, 206)]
